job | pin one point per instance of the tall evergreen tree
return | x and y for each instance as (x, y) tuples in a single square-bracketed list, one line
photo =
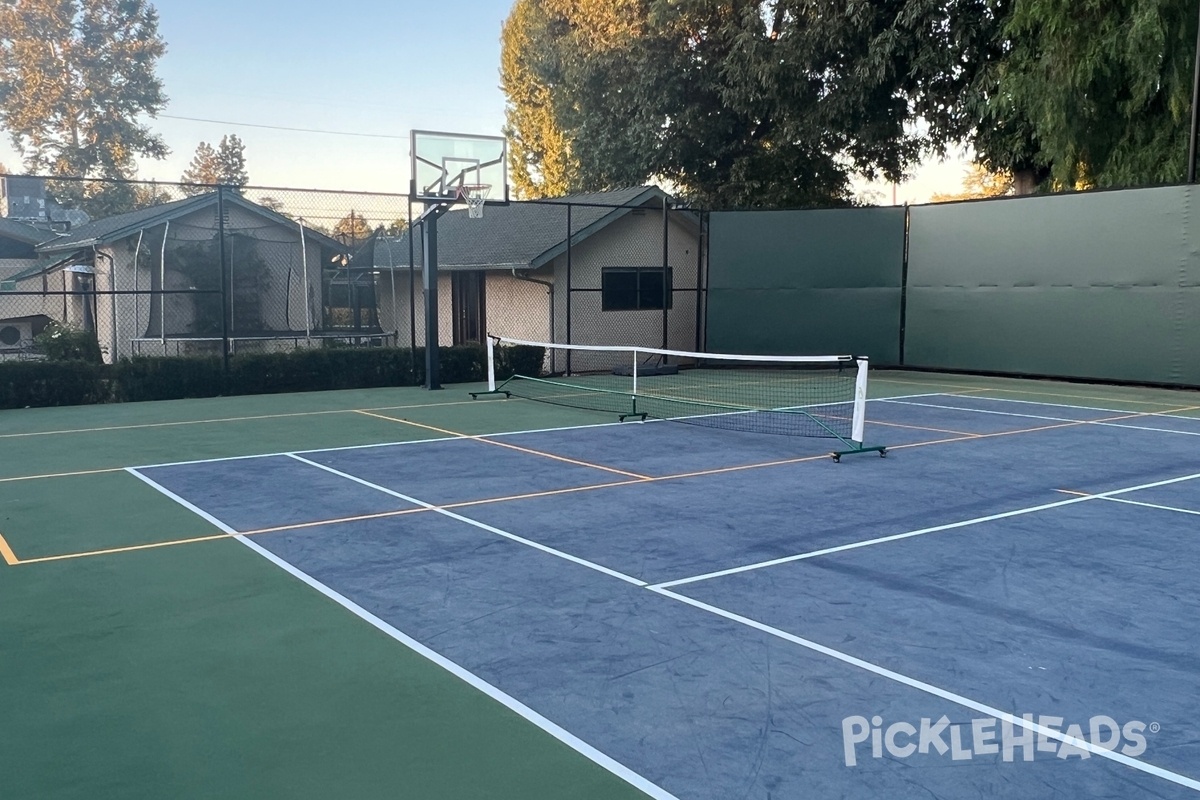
[(202, 169), (224, 165), (76, 76), (231, 161)]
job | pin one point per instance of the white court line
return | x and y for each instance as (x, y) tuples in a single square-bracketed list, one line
[(957, 699), (449, 438), (612, 765), (464, 437), (1087, 408), (1150, 505), (200, 512), (922, 532), (481, 525), (1056, 419), (508, 701)]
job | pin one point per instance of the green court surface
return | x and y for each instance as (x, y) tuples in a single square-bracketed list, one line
[(146, 653)]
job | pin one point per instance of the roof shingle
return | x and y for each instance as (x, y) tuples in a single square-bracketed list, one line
[(516, 236)]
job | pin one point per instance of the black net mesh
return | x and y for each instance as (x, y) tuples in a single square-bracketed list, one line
[(756, 394)]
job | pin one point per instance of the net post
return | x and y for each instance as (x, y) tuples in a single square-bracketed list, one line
[(491, 363), (860, 403)]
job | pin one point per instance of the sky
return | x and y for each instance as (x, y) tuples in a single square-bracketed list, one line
[(377, 67)]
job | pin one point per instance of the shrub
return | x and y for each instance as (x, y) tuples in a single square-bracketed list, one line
[(519, 359), (172, 378), (31, 384), (59, 342), (74, 382)]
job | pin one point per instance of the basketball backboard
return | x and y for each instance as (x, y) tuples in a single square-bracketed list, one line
[(444, 163)]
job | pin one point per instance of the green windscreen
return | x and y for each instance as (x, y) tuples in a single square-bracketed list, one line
[(806, 282), (1102, 285)]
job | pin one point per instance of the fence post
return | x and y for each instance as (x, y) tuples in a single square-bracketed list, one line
[(700, 321), (226, 289), (666, 251), (570, 232), (412, 291), (432, 337), (904, 283)]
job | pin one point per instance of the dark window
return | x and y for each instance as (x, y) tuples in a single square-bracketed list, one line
[(634, 288)]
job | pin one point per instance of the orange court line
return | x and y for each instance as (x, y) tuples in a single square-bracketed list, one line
[(909, 427), (485, 440), (10, 557), (548, 493), (1072, 424), (223, 419)]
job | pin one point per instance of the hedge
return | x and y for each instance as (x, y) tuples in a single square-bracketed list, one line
[(25, 384)]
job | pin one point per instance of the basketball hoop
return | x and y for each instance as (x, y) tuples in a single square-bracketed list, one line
[(475, 196)]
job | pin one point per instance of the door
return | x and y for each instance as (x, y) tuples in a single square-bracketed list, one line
[(468, 303)]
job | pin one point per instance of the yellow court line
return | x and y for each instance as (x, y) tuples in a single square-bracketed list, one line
[(62, 474), (9, 556), (316, 523), (518, 448), (468, 503), (127, 549), (223, 419)]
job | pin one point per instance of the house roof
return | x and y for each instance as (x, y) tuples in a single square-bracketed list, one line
[(37, 269), (115, 228), (516, 236), (11, 229)]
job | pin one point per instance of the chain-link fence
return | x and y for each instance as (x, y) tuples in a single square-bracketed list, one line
[(151, 269)]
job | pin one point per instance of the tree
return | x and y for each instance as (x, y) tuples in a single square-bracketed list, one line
[(978, 183), (352, 227), (202, 169), (1104, 89), (225, 165), (231, 161), (739, 102), (75, 77), (541, 163)]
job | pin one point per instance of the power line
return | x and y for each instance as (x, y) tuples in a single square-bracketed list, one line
[(282, 128)]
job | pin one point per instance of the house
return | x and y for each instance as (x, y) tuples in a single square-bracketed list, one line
[(149, 281), (21, 317), (18, 246), (507, 273)]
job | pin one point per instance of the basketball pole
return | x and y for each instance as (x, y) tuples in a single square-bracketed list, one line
[(430, 279), (1195, 131)]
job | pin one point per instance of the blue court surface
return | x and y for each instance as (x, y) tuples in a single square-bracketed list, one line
[(1005, 606)]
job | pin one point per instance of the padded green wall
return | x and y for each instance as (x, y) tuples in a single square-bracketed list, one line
[(806, 282), (1100, 285)]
